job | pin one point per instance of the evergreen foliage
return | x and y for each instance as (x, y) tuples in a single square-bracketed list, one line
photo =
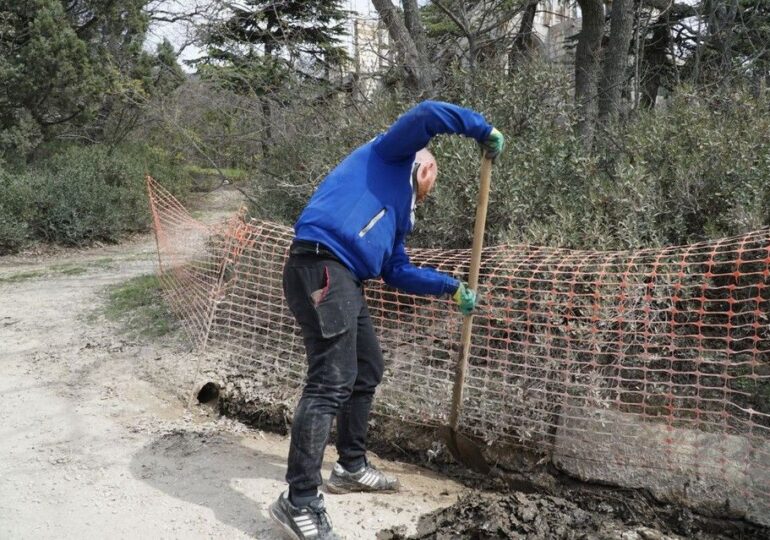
[(83, 194), (47, 76), (697, 169), (262, 39), (75, 69)]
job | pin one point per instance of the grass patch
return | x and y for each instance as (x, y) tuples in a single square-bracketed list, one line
[(69, 269), (206, 179), (139, 305), (104, 262), (21, 276), (233, 175), (63, 269)]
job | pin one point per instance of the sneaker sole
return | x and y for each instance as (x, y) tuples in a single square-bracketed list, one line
[(340, 490), (286, 528)]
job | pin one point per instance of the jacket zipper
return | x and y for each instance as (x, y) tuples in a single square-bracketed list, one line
[(372, 223)]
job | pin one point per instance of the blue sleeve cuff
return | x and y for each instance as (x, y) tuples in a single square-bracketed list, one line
[(486, 134), (451, 285)]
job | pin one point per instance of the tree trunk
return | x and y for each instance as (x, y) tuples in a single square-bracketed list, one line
[(615, 60), (587, 66), (657, 52), (417, 31), (417, 77), (654, 63), (267, 116), (524, 43)]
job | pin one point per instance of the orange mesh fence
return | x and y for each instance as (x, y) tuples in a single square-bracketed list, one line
[(616, 364)]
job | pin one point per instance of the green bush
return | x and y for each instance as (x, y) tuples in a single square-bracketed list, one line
[(701, 166), (84, 194), (539, 176), (694, 169), (15, 212)]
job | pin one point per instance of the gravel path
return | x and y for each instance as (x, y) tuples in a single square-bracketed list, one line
[(95, 437)]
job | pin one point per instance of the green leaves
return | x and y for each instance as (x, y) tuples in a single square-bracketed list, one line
[(46, 63), (696, 169), (83, 194), (73, 66), (264, 42)]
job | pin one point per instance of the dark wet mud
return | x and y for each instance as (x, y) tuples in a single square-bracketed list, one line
[(533, 516)]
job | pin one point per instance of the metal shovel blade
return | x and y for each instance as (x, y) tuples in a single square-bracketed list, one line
[(464, 450)]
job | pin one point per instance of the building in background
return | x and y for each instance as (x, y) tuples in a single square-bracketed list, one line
[(371, 53), (369, 43), (555, 21)]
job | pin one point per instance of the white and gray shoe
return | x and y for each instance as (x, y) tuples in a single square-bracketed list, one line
[(368, 478), (300, 523)]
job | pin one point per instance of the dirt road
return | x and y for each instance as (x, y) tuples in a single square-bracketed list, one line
[(95, 438)]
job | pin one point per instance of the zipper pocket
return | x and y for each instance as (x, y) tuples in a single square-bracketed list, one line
[(372, 222)]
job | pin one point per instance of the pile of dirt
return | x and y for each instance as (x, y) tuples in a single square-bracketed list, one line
[(532, 516)]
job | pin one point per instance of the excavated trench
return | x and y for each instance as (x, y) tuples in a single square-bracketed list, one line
[(525, 497)]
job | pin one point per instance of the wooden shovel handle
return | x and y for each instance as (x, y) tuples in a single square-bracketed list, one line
[(473, 282)]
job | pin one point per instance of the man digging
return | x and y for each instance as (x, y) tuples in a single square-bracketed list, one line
[(353, 229)]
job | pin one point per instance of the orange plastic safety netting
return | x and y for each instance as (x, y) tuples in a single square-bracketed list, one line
[(652, 362)]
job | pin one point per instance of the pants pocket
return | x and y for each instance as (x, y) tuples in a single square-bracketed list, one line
[(327, 302)]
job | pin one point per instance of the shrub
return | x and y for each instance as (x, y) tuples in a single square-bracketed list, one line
[(84, 194), (700, 165), (15, 211), (694, 169)]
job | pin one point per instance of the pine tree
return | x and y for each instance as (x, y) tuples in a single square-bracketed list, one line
[(267, 37), (46, 75), (64, 65)]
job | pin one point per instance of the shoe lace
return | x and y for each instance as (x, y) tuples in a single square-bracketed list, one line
[(324, 521), (370, 467)]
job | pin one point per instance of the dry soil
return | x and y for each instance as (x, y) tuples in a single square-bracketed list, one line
[(97, 441)]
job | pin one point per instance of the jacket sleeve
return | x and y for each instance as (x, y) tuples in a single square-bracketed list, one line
[(399, 272), (413, 129)]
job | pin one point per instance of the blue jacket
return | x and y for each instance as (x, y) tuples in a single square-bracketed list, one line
[(364, 209)]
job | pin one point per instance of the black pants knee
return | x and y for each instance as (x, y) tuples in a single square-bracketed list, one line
[(345, 365)]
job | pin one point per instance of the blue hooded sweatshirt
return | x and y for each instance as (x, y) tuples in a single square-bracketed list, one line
[(364, 209)]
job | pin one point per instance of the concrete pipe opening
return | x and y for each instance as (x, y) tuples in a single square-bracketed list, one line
[(208, 393)]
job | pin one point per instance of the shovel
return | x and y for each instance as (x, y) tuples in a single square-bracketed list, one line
[(462, 448)]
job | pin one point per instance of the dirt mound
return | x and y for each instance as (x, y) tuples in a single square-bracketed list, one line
[(482, 516)]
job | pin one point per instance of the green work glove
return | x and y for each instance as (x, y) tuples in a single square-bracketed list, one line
[(493, 144), (465, 298)]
